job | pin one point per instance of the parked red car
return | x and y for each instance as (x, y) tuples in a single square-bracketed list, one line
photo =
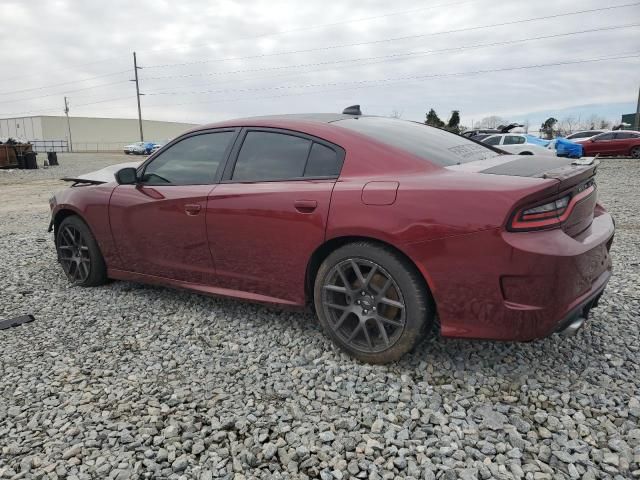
[(384, 226), (621, 143)]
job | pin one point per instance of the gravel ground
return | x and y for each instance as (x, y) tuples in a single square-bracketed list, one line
[(130, 381)]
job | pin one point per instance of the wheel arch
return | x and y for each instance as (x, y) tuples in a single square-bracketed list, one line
[(60, 215), (65, 212), (324, 250)]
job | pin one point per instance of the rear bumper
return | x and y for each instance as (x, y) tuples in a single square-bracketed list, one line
[(580, 313), (516, 286)]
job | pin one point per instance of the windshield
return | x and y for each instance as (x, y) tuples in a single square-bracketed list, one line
[(432, 144)]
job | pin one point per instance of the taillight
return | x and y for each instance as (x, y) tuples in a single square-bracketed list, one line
[(548, 215)]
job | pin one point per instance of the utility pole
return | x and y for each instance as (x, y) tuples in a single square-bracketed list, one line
[(66, 112), (636, 124), (135, 70)]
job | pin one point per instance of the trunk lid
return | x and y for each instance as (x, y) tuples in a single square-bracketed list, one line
[(574, 177)]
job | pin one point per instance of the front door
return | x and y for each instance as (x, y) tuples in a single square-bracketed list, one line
[(603, 144), (269, 214), (159, 225)]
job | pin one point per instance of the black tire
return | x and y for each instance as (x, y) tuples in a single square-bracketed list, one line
[(126, 152), (377, 341), (525, 153), (79, 254), (635, 152)]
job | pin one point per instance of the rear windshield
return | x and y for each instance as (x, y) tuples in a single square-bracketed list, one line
[(432, 144)]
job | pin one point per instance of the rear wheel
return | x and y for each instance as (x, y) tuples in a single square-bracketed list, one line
[(635, 152), (79, 254), (372, 302), (526, 153)]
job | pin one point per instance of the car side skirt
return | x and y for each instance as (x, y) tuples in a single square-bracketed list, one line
[(205, 289)]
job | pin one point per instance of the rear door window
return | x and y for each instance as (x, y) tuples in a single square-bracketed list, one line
[(323, 162), (513, 140), (269, 156), (495, 140), (626, 135)]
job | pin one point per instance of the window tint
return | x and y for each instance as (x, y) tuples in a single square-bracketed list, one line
[(192, 161), (432, 144), (495, 140), (480, 136), (513, 140), (625, 135), (271, 156), (323, 162), (604, 136)]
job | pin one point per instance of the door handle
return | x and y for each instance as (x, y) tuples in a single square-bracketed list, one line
[(192, 209), (305, 206)]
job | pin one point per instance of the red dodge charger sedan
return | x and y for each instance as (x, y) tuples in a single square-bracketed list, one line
[(621, 143), (384, 226)]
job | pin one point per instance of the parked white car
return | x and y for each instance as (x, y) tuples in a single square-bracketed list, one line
[(517, 144)]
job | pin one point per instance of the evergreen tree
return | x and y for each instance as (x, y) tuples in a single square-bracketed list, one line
[(433, 120), (454, 122)]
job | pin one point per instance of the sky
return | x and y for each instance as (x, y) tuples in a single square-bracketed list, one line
[(204, 60)]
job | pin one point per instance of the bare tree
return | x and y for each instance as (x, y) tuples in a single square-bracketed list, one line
[(595, 121), (491, 122), (395, 113), (568, 124)]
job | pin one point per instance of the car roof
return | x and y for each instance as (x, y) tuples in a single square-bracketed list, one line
[(290, 118)]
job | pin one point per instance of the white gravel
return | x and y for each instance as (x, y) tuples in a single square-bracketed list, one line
[(131, 381)]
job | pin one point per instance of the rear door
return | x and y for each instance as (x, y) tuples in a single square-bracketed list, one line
[(159, 225), (624, 141), (269, 213)]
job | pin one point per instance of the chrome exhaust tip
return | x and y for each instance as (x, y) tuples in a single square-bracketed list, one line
[(571, 329)]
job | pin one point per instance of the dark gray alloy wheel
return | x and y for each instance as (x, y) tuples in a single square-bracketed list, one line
[(373, 304), (78, 253), (635, 152)]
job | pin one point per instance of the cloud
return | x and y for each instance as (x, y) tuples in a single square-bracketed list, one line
[(56, 42)]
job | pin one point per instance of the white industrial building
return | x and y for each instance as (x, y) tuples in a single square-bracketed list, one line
[(88, 134)]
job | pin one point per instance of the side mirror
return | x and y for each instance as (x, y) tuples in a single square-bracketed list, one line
[(127, 176)]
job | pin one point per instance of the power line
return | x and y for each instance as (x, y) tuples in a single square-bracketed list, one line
[(280, 32), (65, 91), (324, 25), (66, 69), (393, 39), (385, 58), (111, 74), (106, 100), (373, 83)]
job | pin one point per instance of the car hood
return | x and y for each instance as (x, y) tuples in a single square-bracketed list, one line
[(104, 175)]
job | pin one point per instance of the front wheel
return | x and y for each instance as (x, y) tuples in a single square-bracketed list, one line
[(372, 302), (635, 152), (79, 254)]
